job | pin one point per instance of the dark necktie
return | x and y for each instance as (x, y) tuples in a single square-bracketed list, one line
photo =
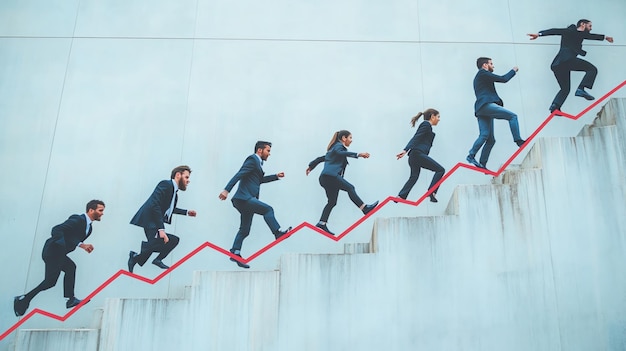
[(89, 231)]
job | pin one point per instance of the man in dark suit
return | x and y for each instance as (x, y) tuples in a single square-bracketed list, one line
[(567, 60), (153, 215), (246, 199), (66, 237), (488, 106)]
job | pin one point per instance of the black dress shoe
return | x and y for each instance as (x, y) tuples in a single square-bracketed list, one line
[(324, 228), (584, 94), (368, 208), (554, 107), (72, 302), (433, 198), (160, 264), (520, 142), (20, 305), (240, 264), (473, 161), (131, 260), (279, 233)]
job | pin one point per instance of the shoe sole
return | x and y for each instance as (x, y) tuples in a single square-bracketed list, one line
[(325, 231), (86, 302), (16, 301), (586, 97), (162, 267), (131, 255), (242, 265)]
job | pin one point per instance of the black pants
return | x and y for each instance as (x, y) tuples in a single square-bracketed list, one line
[(417, 161), (332, 185), (247, 209), (56, 262), (562, 75), (156, 244)]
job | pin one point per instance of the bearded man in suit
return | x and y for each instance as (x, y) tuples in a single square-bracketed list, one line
[(153, 215), (66, 237)]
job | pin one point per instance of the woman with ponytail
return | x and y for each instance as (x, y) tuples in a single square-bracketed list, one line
[(331, 178), (418, 149)]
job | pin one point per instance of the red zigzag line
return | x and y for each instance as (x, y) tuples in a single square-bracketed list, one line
[(308, 225)]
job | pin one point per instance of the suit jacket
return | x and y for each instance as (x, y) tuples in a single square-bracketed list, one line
[(151, 215), (250, 177), (571, 43), (422, 141), (67, 235), (485, 90), (335, 160)]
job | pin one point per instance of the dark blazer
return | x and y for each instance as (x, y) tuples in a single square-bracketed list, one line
[(485, 90), (335, 160), (250, 176), (422, 141), (571, 42), (67, 235), (151, 215)]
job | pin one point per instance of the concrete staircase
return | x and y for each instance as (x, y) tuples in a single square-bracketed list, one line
[(533, 261)]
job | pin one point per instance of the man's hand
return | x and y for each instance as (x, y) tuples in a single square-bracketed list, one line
[(223, 195), (515, 69), (364, 155), (533, 36), (163, 236), (191, 213), (308, 170), (86, 247), (280, 174), (399, 156), (609, 39)]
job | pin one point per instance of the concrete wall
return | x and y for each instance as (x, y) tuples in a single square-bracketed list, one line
[(495, 272), (101, 100)]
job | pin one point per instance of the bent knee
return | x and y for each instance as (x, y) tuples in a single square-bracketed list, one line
[(174, 240)]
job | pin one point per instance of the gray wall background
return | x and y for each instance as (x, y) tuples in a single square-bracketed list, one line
[(102, 99)]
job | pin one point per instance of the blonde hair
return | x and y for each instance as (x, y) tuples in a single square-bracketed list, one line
[(427, 115), (337, 137)]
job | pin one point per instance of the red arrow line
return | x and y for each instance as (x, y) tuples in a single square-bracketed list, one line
[(308, 225)]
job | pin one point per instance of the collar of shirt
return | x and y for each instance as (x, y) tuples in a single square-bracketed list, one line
[(175, 185), (260, 160), (88, 222)]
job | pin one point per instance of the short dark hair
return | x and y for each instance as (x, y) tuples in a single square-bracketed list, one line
[(582, 21), (481, 61), (180, 169), (261, 145), (93, 205)]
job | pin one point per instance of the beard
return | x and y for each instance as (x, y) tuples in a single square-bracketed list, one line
[(181, 185)]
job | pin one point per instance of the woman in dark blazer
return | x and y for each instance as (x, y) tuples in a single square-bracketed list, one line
[(331, 178), (418, 149)]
